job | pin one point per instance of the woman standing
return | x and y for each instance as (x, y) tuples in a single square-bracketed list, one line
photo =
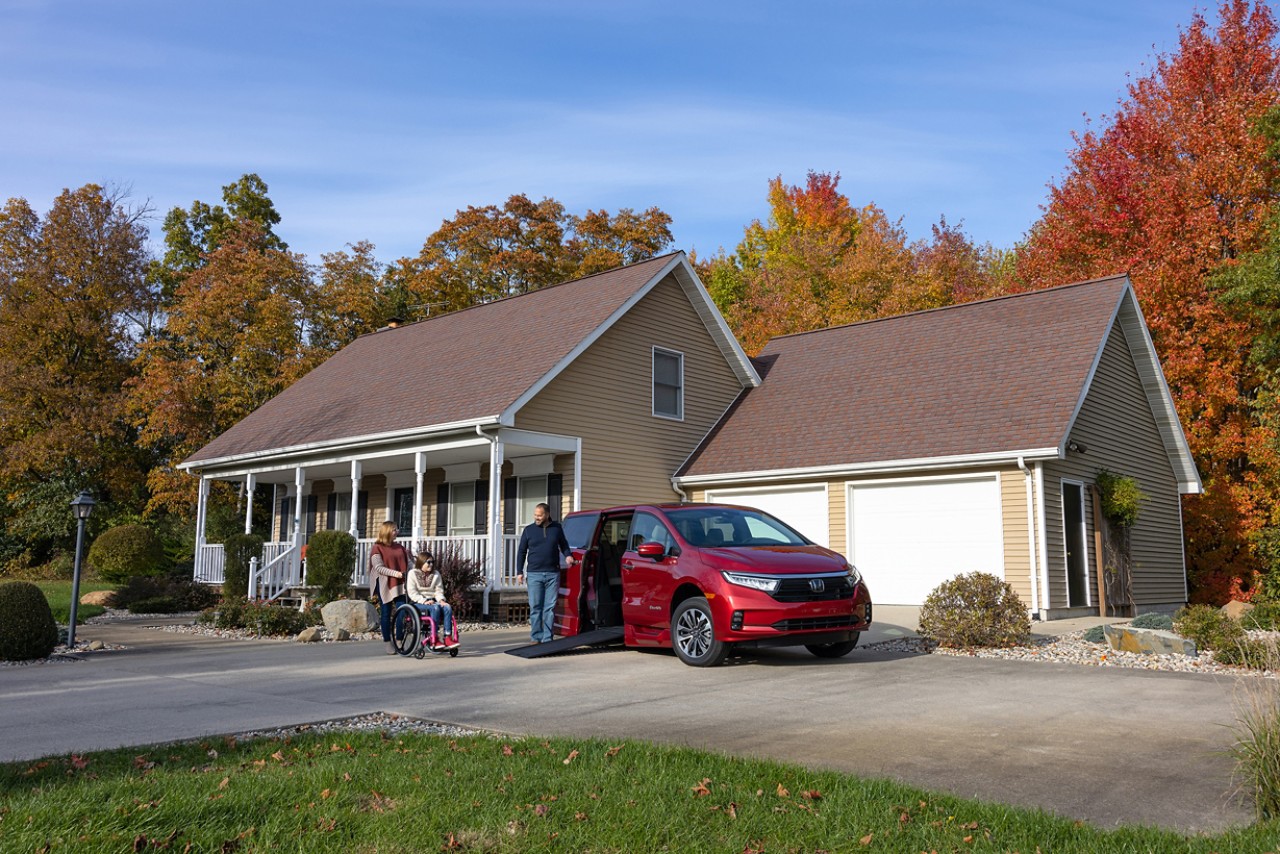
[(389, 561)]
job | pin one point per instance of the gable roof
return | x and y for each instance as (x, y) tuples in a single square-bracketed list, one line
[(991, 380), (474, 366)]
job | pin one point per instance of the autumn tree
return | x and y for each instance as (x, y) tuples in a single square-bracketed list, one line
[(818, 261), (1172, 187), (491, 252), (352, 297), (73, 302), (191, 233), (235, 336)]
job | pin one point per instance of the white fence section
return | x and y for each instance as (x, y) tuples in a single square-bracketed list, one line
[(282, 566)]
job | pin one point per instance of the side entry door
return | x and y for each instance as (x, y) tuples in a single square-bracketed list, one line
[(648, 583)]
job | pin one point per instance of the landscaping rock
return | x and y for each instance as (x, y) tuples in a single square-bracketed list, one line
[(1148, 641), (354, 615), (342, 634), (97, 597), (1235, 610), (97, 645), (311, 635)]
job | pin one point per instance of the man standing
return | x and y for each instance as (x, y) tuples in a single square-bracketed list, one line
[(542, 543)]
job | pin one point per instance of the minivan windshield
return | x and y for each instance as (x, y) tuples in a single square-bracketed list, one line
[(711, 526)]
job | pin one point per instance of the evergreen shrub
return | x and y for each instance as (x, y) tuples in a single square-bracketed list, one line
[(331, 559), (976, 609), (1209, 628), (238, 550), (27, 629), (125, 551), (1152, 621)]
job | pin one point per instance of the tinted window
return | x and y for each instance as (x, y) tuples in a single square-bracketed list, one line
[(578, 529), (711, 526), (647, 528)]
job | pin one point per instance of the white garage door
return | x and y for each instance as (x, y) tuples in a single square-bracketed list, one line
[(803, 508), (907, 538)]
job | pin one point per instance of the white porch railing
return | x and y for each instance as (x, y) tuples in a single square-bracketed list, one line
[(211, 564), (281, 566), (269, 580)]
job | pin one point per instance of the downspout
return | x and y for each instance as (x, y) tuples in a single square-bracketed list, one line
[(495, 533), (1031, 536), (1044, 541), (684, 498)]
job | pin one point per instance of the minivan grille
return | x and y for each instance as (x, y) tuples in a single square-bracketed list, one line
[(843, 621), (800, 589)]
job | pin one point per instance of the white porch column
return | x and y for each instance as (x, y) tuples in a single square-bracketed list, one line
[(202, 510), (299, 484), (497, 554), (577, 474), (419, 472), (250, 483), (355, 498), (275, 512)]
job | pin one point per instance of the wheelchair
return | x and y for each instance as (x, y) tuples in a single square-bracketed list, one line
[(415, 633)]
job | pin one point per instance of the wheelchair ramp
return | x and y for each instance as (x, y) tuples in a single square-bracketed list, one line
[(599, 637)]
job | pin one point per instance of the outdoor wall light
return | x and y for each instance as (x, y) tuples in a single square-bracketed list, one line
[(1077, 447)]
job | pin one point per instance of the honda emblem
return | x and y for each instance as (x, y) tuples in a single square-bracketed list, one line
[(817, 585)]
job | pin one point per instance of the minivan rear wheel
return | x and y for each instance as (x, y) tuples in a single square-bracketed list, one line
[(833, 650), (693, 634)]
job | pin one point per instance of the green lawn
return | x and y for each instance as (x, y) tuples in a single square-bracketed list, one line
[(371, 793), (59, 595)]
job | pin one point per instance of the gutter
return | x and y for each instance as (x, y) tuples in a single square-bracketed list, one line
[(1031, 533)]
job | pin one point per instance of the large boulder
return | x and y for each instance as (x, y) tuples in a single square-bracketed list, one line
[(354, 615), (1236, 609), (98, 597), (311, 634), (1148, 641)]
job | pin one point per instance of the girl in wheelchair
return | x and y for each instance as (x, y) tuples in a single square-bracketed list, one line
[(426, 592)]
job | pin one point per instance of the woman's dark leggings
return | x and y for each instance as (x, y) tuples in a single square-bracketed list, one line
[(387, 609)]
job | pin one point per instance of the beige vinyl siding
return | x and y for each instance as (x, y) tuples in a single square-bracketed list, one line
[(1119, 433), (606, 397)]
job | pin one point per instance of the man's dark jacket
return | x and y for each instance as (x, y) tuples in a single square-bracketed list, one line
[(543, 547)]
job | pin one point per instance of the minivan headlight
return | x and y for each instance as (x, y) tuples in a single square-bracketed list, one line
[(755, 582), (854, 575)]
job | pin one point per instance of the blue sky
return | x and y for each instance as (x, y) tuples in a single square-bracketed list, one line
[(377, 120)]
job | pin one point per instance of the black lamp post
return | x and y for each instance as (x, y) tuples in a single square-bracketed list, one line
[(83, 505)]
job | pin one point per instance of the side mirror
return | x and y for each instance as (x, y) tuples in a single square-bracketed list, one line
[(652, 550)]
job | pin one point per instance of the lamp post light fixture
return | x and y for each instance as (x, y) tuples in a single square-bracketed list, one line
[(83, 506)]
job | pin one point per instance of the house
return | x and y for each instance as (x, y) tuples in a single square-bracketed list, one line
[(456, 427), (920, 446), (967, 438)]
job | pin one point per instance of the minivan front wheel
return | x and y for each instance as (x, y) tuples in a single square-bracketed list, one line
[(693, 634)]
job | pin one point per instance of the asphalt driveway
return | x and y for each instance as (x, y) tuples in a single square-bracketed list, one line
[(1109, 746)]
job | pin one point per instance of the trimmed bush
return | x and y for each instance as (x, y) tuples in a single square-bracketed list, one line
[(331, 558), (1095, 635), (1265, 615), (261, 618), (1209, 628), (238, 550), (1152, 621), (183, 594), (27, 629), (126, 551), (976, 609)]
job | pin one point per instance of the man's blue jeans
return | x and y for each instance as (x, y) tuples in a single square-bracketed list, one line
[(543, 587)]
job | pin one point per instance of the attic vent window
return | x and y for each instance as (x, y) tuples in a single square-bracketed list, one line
[(668, 383)]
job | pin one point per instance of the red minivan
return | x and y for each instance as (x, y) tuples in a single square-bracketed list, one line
[(705, 578)]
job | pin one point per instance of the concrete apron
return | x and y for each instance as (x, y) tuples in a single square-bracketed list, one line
[(1108, 746)]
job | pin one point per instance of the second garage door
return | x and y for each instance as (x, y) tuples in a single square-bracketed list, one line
[(908, 537), (803, 508)]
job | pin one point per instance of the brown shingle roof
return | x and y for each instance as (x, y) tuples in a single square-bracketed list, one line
[(464, 366), (995, 376)]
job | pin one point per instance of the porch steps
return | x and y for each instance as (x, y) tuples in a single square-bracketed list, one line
[(599, 637)]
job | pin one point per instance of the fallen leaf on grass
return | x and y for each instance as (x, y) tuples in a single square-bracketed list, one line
[(614, 751), (580, 816), (79, 762), (866, 840), (782, 793), (224, 782), (811, 795), (325, 794), (573, 754), (278, 756), (541, 809), (701, 789), (507, 751)]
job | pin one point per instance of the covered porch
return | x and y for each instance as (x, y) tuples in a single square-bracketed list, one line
[(439, 489)]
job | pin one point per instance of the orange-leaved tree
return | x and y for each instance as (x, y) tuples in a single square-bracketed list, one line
[(1174, 185)]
